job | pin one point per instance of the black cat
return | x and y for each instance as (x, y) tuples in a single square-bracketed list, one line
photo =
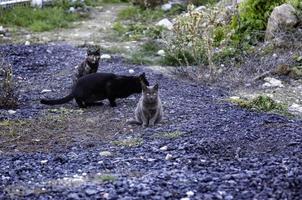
[(99, 86)]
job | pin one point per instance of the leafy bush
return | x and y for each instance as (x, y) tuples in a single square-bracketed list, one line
[(202, 2), (252, 19), (8, 98)]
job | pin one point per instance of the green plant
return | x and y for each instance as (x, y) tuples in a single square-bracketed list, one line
[(202, 2), (106, 178), (169, 135), (138, 14), (8, 97), (148, 3), (262, 103), (38, 20), (252, 19)]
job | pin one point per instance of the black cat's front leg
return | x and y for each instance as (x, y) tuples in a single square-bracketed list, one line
[(112, 102), (80, 103)]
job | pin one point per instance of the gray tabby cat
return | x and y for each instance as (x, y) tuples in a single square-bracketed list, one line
[(149, 110), (89, 65)]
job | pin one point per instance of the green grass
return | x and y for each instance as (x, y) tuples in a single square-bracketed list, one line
[(38, 20), (262, 103), (106, 178), (169, 135), (146, 54), (137, 14)]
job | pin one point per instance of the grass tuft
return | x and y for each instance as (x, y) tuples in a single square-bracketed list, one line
[(169, 135)]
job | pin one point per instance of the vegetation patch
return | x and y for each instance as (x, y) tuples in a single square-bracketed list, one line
[(146, 54), (129, 142), (169, 135), (262, 103), (8, 97), (106, 178), (38, 20)]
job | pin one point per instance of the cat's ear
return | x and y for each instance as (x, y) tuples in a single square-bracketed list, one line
[(144, 86), (142, 76), (156, 86)]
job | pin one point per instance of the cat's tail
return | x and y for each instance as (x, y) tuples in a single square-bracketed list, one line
[(57, 101)]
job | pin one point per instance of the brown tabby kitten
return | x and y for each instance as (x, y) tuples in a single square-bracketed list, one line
[(89, 65), (149, 109)]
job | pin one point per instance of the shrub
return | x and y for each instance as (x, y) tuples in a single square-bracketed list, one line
[(8, 98), (252, 19), (201, 2)]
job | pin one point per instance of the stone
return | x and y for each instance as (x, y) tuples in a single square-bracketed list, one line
[(73, 196), (295, 108), (281, 19), (105, 56), (11, 112), (72, 9), (131, 71), (105, 153), (165, 23), (161, 52), (166, 6), (190, 193), (91, 191), (27, 43), (44, 161), (45, 91), (168, 157), (272, 82), (164, 148)]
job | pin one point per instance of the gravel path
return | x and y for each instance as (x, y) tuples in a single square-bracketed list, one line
[(206, 148)]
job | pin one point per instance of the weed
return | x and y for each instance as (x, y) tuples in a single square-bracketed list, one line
[(146, 54), (38, 20), (130, 142), (106, 178), (8, 97), (169, 135), (137, 14), (262, 103)]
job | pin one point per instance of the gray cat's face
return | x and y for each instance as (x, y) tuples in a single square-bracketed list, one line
[(150, 93)]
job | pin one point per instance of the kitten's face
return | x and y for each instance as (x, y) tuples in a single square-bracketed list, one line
[(93, 55), (93, 58), (150, 93)]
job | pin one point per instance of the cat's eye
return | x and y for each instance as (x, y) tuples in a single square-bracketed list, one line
[(148, 94)]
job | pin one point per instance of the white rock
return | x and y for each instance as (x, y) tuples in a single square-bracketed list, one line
[(190, 193), (165, 23), (185, 198), (169, 157), (44, 161), (166, 6), (11, 112), (164, 148), (295, 108), (45, 91), (272, 82), (105, 56), (131, 71), (2, 30), (37, 3), (72, 9), (234, 98), (27, 43), (161, 52), (200, 8), (105, 153)]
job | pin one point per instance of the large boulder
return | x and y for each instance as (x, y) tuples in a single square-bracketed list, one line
[(282, 19)]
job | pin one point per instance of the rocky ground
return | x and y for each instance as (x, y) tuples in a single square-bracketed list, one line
[(205, 148)]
